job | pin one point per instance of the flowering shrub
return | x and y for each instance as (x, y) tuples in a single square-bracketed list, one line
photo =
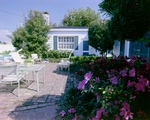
[(119, 89)]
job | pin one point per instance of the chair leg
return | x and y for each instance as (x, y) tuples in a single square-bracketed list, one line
[(18, 88)]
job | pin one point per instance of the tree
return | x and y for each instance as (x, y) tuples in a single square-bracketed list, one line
[(33, 36), (129, 18), (80, 17), (99, 36), (54, 25), (17, 37)]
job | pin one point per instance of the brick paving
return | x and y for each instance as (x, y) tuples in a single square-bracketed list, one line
[(33, 105)]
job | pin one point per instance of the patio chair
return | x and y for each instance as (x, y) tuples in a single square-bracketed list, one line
[(65, 62), (11, 75), (17, 58), (35, 57)]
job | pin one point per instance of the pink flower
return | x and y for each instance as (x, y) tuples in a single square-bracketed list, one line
[(147, 65), (107, 71), (81, 85), (125, 57), (132, 57), (126, 105), (63, 113), (97, 79), (144, 81), (72, 110), (82, 69), (109, 103), (90, 85), (131, 83), (87, 77), (114, 80), (111, 90), (119, 56), (94, 119), (128, 115), (141, 112), (115, 101), (123, 111), (75, 117), (117, 117), (124, 73), (76, 72), (99, 113), (139, 86), (132, 72), (102, 57)]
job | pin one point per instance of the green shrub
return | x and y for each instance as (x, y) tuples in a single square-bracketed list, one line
[(79, 58), (59, 53), (54, 60)]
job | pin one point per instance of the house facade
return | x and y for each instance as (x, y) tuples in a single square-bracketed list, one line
[(70, 38), (75, 38)]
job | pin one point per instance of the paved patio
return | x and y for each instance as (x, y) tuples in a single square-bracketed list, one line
[(33, 105)]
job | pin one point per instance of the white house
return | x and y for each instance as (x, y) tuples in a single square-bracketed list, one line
[(70, 38)]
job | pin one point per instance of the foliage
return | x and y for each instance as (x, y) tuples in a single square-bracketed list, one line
[(99, 36), (28, 60), (54, 60), (80, 17), (80, 58), (54, 25), (33, 36), (59, 53), (17, 37), (117, 86), (5, 52), (129, 18)]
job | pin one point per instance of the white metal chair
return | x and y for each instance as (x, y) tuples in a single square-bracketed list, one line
[(11, 75), (65, 62), (35, 57), (17, 57)]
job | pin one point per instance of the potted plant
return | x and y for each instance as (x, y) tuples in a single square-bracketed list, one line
[(28, 62)]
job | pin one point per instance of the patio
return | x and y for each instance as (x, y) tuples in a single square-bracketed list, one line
[(33, 105)]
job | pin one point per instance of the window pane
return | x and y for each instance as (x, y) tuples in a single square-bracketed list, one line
[(85, 53), (85, 46)]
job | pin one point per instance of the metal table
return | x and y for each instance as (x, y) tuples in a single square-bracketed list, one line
[(36, 69)]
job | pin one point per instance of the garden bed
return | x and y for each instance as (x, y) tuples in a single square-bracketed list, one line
[(109, 89)]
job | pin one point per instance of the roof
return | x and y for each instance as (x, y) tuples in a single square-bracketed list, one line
[(71, 27)]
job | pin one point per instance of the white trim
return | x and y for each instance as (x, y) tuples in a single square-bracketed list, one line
[(85, 30)]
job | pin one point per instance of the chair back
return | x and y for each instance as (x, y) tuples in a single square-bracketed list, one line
[(8, 69), (16, 57), (34, 56)]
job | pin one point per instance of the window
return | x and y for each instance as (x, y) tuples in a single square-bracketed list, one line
[(138, 48), (66, 42), (85, 46)]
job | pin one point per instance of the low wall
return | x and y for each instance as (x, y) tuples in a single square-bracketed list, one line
[(6, 48)]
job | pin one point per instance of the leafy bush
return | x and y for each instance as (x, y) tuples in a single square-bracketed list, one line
[(54, 60), (59, 53), (5, 52), (118, 89), (79, 58)]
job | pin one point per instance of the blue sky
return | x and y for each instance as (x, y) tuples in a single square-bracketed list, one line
[(11, 11)]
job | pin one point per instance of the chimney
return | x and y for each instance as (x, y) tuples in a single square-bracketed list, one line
[(46, 17)]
